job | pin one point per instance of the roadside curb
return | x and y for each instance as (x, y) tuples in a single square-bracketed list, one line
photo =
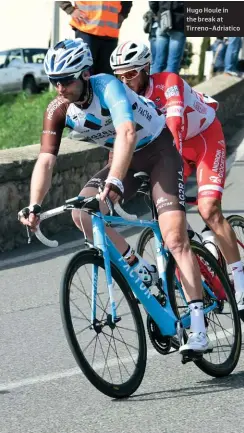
[(32, 256)]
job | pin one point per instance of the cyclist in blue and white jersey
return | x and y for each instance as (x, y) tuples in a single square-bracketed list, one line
[(105, 111)]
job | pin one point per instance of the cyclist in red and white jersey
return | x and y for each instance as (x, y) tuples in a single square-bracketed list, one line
[(198, 136)]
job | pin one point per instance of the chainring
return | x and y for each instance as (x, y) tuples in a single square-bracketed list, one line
[(160, 343)]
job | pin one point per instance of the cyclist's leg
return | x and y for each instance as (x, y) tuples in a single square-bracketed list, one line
[(168, 194), (188, 165), (83, 220), (147, 273), (211, 178)]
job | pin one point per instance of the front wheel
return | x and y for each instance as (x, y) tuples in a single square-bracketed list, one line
[(111, 355)]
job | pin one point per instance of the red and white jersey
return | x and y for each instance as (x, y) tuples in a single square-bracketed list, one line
[(188, 113)]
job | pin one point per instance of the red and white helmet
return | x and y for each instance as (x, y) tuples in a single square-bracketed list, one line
[(130, 54)]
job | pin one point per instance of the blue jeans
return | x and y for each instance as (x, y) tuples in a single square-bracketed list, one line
[(231, 55), (169, 51), (153, 51)]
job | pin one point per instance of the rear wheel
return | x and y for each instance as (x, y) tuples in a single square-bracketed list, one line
[(223, 322), (237, 223)]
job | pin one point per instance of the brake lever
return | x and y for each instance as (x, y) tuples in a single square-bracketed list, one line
[(107, 201), (110, 205)]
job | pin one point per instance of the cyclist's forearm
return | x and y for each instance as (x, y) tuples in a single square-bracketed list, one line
[(41, 178), (124, 147)]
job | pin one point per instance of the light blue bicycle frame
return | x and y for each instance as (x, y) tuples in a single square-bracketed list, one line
[(163, 316)]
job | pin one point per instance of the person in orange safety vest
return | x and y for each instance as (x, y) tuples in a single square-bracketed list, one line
[(98, 24)]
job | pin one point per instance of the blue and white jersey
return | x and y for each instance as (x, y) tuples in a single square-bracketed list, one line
[(112, 104)]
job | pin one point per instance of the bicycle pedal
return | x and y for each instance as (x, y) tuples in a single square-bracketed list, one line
[(209, 350), (191, 355)]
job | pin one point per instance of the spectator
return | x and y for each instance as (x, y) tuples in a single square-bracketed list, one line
[(231, 56), (150, 27), (219, 49), (98, 24), (170, 38)]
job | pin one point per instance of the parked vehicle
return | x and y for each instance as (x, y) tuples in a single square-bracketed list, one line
[(22, 69)]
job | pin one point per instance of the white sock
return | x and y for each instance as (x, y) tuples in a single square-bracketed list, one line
[(128, 253), (197, 317), (238, 276)]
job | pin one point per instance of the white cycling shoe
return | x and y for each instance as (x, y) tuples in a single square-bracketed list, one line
[(197, 342), (240, 300)]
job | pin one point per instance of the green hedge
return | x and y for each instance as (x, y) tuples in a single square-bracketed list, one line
[(21, 118)]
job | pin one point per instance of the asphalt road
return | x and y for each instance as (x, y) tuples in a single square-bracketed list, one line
[(43, 391)]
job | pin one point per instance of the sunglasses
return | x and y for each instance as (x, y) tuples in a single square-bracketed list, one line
[(64, 81), (129, 75)]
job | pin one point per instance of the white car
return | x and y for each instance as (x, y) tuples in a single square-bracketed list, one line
[(22, 69)]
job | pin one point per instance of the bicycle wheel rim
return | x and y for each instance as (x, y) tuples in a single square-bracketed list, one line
[(95, 371)]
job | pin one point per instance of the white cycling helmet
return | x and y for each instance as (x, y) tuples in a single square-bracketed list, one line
[(68, 58), (131, 54)]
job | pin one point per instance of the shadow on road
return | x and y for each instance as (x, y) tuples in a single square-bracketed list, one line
[(50, 253), (208, 386)]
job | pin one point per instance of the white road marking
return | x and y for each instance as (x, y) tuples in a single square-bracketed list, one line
[(5, 387)]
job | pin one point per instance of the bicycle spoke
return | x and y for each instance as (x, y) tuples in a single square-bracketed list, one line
[(117, 357), (88, 345), (88, 298), (121, 341), (97, 292), (218, 324), (119, 303), (107, 358), (126, 329), (126, 345), (223, 330), (82, 330), (94, 351), (105, 311), (116, 352), (73, 303), (103, 354), (78, 318)]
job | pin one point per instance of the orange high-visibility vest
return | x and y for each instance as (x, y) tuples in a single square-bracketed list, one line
[(102, 18)]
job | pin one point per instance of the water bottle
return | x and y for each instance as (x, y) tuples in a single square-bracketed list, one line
[(209, 242)]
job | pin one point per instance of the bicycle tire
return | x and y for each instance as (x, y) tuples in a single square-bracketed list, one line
[(237, 221), (237, 218), (145, 236), (204, 365), (112, 390), (228, 366)]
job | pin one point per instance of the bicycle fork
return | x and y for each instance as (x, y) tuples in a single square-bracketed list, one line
[(99, 239)]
